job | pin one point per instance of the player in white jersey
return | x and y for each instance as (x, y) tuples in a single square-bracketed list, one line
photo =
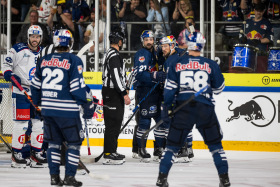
[(20, 63)]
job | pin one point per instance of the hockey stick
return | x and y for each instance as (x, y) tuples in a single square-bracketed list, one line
[(25, 93), (85, 48), (38, 109), (86, 129), (135, 110), (170, 115), (109, 107)]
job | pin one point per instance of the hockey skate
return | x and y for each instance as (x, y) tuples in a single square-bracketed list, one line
[(190, 153), (144, 155), (71, 181), (56, 180), (37, 160), (18, 161), (182, 156), (112, 159), (224, 180), (158, 153), (162, 180), (135, 155), (121, 156)]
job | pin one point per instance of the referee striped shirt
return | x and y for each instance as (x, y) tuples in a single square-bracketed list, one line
[(113, 75)]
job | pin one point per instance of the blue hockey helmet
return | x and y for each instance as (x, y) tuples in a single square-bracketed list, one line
[(147, 34), (195, 41), (63, 38)]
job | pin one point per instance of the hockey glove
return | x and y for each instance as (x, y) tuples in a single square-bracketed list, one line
[(9, 74), (88, 109), (158, 76)]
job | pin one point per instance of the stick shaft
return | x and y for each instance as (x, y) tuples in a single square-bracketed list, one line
[(86, 129)]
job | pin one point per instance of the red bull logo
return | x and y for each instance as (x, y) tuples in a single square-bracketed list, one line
[(141, 59), (254, 35), (264, 27)]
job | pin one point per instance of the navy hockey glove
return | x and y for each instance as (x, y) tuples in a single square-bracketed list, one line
[(159, 76), (9, 74), (88, 110)]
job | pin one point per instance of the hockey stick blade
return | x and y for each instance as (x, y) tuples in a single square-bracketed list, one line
[(85, 48), (170, 115)]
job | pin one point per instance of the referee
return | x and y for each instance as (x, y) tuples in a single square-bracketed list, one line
[(115, 95)]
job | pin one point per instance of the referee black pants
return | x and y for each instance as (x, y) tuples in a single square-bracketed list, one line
[(112, 118)]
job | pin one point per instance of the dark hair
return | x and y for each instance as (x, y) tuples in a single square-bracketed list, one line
[(259, 6), (35, 11)]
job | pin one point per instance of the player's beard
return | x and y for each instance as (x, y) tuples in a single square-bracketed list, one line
[(149, 46), (34, 44)]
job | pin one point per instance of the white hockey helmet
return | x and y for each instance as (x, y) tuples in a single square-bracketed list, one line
[(195, 41), (63, 38), (35, 29)]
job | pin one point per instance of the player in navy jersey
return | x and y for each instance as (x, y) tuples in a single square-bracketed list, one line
[(20, 63), (146, 77), (58, 87), (185, 77)]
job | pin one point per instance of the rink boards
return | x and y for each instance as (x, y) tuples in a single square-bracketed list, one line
[(255, 122)]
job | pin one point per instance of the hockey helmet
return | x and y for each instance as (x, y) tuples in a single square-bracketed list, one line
[(116, 36), (35, 29), (147, 34), (168, 40), (195, 41), (63, 38)]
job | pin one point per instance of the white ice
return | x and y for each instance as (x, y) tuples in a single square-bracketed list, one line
[(246, 169)]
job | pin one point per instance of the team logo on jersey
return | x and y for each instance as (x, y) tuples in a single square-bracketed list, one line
[(252, 111), (254, 35), (80, 69), (153, 109), (264, 27), (31, 73), (194, 65), (54, 62), (141, 59), (144, 112), (9, 59), (26, 55), (21, 138)]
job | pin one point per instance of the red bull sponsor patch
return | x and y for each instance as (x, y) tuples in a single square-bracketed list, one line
[(141, 59)]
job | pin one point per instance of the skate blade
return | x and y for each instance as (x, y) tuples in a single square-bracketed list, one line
[(156, 159), (34, 164), (183, 160), (135, 156), (112, 162), (145, 160), (81, 172), (17, 165)]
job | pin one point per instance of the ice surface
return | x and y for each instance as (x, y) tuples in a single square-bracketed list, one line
[(246, 169)]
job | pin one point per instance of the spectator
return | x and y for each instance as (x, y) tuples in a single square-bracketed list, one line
[(258, 29), (15, 10), (183, 9), (171, 6), (247, 7), (134, 11), (80, 10), (159, 12), (44, 10), (273, 14), (25, 5), (22, 36), (231, 12), (89, 34), (65, 23), (182, 40)]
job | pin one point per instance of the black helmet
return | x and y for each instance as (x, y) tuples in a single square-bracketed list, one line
[(116, 36)]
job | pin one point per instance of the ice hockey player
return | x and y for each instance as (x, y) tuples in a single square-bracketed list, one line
[(147, 77), (168, 52), (115, 94), (21, 64), (186, 77), (58, 87)]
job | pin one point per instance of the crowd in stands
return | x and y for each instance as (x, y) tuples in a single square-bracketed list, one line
[(79, 18)]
